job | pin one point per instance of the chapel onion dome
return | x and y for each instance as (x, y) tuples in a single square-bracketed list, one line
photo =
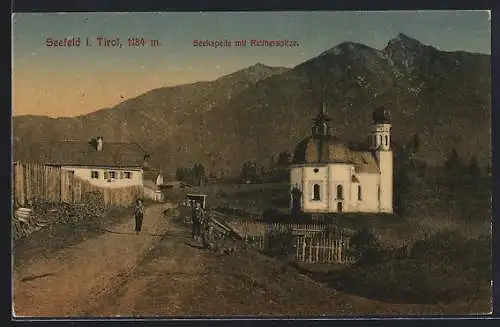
[(324, 149), (381, 116)]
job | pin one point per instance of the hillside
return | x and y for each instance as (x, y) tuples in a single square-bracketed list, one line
[(259, 111)]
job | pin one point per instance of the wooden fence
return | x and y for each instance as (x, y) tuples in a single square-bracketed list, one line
[(322, 250), (311, 243), (251, 228), (40, 183)]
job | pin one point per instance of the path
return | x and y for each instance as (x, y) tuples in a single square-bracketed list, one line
[(162, 273), (75, 278), (178, 278)]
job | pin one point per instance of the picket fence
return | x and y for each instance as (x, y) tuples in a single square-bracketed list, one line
[(322, 250), (312, 243), (40, 183)]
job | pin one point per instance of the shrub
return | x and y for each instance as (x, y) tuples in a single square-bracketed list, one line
[(364, 244), (442, 268)]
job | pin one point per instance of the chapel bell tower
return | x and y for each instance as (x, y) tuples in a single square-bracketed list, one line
[(381, 145)]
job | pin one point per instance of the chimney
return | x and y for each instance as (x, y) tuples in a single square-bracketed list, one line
[(99, 140), (146, 160)]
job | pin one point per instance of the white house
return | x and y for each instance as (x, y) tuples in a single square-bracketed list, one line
[(152, 180), (103, 164), (326, 175)]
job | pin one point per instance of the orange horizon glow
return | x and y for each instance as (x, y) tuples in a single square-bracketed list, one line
[(70, 94)]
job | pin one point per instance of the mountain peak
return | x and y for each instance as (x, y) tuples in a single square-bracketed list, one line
[(255, 73), (345, 47), (403, 52), (259, 65), (403, 40)]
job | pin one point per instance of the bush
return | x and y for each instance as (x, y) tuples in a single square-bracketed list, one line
[(272, 215), (364, 245), (280, 244), (443, 268)]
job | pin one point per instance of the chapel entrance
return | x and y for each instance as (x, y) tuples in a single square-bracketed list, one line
[(339, 206), (296, 201)]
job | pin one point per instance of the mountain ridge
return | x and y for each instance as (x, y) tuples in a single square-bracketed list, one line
[(208, 121)]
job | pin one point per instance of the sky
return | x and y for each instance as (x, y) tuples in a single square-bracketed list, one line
[(71, 81)]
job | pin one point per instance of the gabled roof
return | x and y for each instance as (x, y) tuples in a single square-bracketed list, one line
[(172, 184), (80, 153), (150, 173), (364, 162)]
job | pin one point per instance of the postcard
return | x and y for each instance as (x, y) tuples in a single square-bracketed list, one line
[(258, 164)]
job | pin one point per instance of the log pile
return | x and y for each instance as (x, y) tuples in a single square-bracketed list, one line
[(42, 214)]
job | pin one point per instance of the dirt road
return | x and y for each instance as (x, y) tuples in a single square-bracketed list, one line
[(179, 278), (75, 277), (163, 273)]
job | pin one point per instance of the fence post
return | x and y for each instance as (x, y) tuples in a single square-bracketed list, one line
[(21, 184), (329, 250), (26, 183), (336, 246), (342, 254), (318, 250)]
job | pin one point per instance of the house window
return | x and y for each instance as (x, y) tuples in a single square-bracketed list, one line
[(340, 192), (128, 175), (359, 193), (94, 174), (112, 174), (106, 175), (316, 192), (121, 175)]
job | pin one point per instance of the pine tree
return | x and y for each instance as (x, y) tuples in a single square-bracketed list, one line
[(416, 143), (179, 174), (473, 168), (453, 162), (453, 170)]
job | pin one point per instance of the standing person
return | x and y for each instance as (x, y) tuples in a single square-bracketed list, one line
[(197, 220), (206, 231), (139, 215)]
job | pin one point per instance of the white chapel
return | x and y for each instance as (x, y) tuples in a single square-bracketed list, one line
[(326, 175)]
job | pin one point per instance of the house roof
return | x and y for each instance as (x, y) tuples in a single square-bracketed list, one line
[(176, 184), (81, 153), (150, 173)]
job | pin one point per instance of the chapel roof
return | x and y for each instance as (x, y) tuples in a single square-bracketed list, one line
[(330, 149)]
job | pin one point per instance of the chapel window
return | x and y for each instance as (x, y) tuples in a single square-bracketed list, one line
[(316, 192), (340, 192)]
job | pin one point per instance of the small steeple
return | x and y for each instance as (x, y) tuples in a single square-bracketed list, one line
[(381, 115), (320, 126)]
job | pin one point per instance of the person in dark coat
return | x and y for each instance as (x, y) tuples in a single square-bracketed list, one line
[(206, 231), (139, 215), (197, 218)]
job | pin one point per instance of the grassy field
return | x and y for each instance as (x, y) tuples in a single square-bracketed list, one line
[(449, 233)]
